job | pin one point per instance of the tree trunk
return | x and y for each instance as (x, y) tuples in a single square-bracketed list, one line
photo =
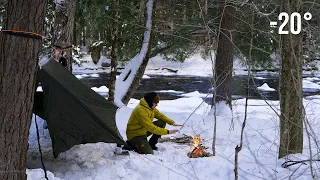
[(63, 27), (2, 11), (225, 52), (114, 51), (136, 81), (18, 63), (134, 71), (137, 78), (291, 118)]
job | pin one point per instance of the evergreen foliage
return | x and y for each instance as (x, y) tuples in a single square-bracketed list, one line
[(181, 28), (178, 28), (265, 40)]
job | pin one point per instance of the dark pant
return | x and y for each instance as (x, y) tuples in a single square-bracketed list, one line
[(141, 144)]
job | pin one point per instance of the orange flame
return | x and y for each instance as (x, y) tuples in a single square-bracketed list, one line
[(199, 149), (196, 141)]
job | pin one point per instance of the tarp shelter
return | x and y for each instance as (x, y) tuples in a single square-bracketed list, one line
[(74, 112)]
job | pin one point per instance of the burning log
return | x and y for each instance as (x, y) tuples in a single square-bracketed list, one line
[(199, 150)]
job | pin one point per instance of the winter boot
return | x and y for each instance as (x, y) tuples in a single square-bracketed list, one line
[(153, 141), (130, 147)]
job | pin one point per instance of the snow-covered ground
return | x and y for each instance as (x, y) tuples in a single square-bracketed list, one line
[(257, 160), (192, 66)]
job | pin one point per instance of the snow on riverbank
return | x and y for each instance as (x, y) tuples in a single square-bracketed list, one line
[(257, 160)]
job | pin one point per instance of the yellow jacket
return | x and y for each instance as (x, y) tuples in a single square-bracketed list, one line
[(140, 121)]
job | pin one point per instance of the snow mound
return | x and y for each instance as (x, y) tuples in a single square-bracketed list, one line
[(265, 87), (146, 77), (38, 174), (101, 89)]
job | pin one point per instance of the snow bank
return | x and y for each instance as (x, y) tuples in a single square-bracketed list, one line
[(265, 87)]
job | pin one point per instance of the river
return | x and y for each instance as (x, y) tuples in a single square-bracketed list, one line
[(186, 84)]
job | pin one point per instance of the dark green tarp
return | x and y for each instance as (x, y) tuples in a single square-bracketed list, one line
[(74, 112)]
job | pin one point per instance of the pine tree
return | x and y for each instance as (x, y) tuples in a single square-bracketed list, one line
[(291, 107), (225, 52)]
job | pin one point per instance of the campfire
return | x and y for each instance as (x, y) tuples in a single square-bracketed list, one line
[(199, 150)]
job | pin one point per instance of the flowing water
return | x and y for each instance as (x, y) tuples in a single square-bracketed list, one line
[(186, 84)]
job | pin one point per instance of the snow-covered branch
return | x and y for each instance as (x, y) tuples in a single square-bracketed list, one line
[(125, 79)]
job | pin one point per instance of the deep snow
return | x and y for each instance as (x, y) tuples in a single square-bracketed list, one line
[(257, 160)]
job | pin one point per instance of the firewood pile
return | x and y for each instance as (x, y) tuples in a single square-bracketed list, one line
[(198, 151), (180, 140)]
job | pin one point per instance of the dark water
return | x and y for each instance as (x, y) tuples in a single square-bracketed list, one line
[(187, 84)]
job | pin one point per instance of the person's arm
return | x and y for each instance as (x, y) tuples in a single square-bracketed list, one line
[(142, 117), (160, 116)]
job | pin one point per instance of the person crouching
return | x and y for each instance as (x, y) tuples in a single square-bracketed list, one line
[(141, 125)]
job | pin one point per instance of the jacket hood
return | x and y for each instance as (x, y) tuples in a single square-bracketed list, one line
[(144, 103), (151, 97)]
